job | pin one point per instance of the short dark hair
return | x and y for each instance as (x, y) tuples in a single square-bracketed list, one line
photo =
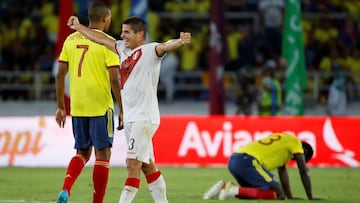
[(308, 151), (97, 11), (137, 24)]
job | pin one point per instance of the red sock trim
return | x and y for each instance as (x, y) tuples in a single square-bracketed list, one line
[(80, 156), (153, 177), (133, 182), (104, 163)]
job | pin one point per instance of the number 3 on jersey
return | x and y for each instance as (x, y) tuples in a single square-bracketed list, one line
[(269, 140)]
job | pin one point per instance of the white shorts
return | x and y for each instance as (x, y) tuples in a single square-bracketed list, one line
[(139, 136)]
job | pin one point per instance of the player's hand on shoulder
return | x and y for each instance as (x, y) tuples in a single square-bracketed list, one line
[(185, 37), (73, 21)]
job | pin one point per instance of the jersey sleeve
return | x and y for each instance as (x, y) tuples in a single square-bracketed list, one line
[(63, 54), (296, 147), (112, 59), (119, 46), (153, 50)]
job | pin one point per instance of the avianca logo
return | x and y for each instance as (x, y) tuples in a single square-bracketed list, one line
[(225, 140), (340, 153)]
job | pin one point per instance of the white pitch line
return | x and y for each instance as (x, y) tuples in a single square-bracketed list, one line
[(26, 201), (21, 201)]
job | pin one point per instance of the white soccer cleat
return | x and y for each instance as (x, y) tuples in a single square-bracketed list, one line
[(229, 191), (214, 191)]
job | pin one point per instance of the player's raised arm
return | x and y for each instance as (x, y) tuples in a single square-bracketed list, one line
[(173, 44), (93, 35)]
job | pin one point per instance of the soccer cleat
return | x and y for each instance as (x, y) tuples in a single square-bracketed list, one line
[(214, 191), (63, 197), (230, 190)]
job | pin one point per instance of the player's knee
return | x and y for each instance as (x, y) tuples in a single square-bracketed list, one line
[(133, 165), (84, 155), (148, 168), (103, 154)]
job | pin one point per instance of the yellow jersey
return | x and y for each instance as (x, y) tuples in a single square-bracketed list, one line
[(273, 151), (88, 62)]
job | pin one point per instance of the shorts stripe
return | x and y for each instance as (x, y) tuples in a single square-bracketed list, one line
[(261, 171), (110, 127)]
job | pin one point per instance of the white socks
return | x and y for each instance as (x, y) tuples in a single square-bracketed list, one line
[(156, 184), (158, 190), (128, 194)]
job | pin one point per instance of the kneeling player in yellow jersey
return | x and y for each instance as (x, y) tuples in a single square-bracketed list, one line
[(251, 166)]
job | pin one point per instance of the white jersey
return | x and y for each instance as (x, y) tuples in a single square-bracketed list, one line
[(139, 75)]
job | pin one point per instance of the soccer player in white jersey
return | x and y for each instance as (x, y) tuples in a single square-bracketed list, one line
[(139, 71)]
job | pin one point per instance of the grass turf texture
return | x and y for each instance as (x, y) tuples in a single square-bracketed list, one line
[(40, 185)]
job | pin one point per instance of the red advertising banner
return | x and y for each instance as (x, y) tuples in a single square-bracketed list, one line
[(183, 140), (209, 141), (37, 141)]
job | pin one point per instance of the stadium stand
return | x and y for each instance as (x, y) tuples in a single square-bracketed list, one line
[(28, 34)]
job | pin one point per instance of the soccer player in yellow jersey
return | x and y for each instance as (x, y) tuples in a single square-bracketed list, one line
[(252, 164), (94, 73)]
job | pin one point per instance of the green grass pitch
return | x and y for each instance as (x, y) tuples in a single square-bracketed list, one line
[(185, 185)]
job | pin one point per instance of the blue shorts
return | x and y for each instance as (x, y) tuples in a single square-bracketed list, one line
[(248, 172), (93, 131)]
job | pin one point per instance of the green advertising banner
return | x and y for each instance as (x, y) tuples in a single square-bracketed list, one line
[(293, 53)]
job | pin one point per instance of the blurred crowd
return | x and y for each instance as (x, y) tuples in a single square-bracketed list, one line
[(331, 35)]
